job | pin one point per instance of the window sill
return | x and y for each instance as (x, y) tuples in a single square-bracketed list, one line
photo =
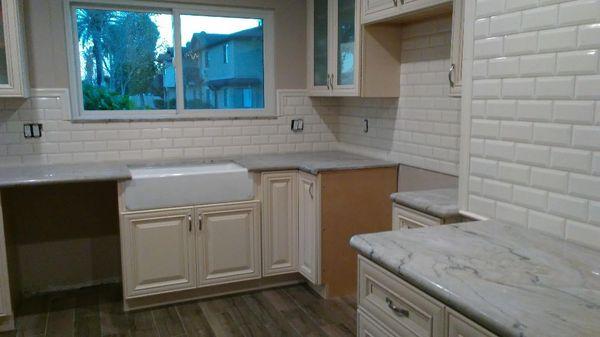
[(105, 118)]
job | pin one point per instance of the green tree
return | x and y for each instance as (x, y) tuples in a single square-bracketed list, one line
[(91, 25)]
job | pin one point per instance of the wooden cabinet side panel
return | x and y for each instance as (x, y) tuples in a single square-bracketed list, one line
[(352, 202)]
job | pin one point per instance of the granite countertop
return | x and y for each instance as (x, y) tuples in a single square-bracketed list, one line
[(311, 162), (63, 173), (441, 203), (512, 280)]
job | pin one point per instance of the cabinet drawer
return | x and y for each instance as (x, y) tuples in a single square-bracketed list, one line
[(367, 327), (459, 326), (405, 217), (398, 305)]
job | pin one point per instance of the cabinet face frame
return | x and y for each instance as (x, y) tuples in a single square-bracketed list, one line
[(5, 298), (131, 284), (309, 260), (456, 53), (203, 255), (16, 55), (332, 52), (271, 248)]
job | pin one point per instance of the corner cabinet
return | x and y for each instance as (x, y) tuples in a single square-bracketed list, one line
[(346, 59), (14, 80)]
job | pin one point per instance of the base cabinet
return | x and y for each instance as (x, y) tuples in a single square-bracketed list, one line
[(389, 306), (309, 252), (228, 243), (158, 252), (280, 222)]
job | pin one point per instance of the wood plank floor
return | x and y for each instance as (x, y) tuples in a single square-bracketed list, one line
[(97, 311)]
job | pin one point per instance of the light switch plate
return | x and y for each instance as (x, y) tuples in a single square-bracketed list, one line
[(32, 130), (297, 125)]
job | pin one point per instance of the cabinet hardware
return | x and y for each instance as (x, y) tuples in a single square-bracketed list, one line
[(310, 191), (331, 79), (328, 81), (200, 222), (452, 67), (395, 3), (398, 311), (190, 222)]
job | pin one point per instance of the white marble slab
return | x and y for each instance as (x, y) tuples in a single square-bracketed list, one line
[(441, 203), (512, 280)]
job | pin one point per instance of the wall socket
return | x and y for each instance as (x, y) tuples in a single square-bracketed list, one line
[(32, 130), (297, 125)]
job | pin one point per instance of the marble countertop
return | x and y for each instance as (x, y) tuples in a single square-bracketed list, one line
[(512, 280), (311, 162), (441, 203)]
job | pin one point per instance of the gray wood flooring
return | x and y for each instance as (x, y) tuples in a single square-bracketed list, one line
[(97, 311)]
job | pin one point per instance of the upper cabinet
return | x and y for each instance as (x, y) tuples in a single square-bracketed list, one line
[(388, 10), (14, 81), (337, 58), (456, 54)]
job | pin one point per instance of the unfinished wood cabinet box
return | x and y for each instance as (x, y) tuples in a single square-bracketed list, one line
[(14, 78), (335, 36), (390, 306)]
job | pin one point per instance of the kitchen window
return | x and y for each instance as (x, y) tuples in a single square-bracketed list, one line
[(152, 60)]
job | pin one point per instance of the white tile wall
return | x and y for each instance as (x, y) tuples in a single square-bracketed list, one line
[(67, 142), (421, 128), (535, 147)]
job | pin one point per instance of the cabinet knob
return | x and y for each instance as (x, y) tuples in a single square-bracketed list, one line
[(450, 72), (200, 222), (310, 191), (190, 222)]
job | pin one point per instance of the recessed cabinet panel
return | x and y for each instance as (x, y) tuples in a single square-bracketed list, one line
[(381, 8), (459, 326), (321, 43), (159, 251), (280, 222), (367, 327), (309, 228), (228, 243), (346, 42)]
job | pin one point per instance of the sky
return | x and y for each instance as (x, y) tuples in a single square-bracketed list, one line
[(191, 24)]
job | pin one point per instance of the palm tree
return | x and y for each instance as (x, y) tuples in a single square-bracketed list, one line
[(91, 24)]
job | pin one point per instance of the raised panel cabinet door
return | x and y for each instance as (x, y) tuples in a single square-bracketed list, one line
[(228, 243), (368, 327), (158, 252), (309, 238), (280, 222), (373, 10)]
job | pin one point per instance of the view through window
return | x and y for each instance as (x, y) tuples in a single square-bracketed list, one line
[(128, 60)]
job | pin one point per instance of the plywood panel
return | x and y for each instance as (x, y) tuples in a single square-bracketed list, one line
[(353, 202)]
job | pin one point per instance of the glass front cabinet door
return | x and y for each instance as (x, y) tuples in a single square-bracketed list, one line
[(14, 81), (333, 52)]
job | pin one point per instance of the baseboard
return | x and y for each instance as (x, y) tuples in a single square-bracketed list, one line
[(111, 280)]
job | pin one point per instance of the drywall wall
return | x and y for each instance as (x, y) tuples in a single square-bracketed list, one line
[(422, 128), (535, 115)]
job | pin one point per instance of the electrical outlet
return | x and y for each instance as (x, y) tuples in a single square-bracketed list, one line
[(297, 125), (32, 130), (365, 125)]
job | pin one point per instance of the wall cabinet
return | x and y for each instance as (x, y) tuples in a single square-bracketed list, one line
[(184, 248), (280, 222), (344, 59), (158, 251), (389, 306), (309, 217), (14, 80), (456, 53), (396, 10), (228, 243)]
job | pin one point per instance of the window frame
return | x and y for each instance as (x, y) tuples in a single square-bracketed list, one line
[(180, 113)]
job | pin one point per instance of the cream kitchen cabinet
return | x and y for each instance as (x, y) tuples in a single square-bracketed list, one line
[(177, 249), (390, 306), (280, 222), (456, 53), (309, 225), (14, 80), (374, 11), (6, 312), (158, 251), (228, 243), (345, 59)]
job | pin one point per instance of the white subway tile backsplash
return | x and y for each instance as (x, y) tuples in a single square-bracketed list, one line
[(574, 112), (553, 134), (503, 66), (511, 213), (583, 233), (589, 36), (519, 44), (578, 12), (518, 87), (584, 186), (588, 87), (577, 62), (489, 7), (505, 23), (515, 173), (539, 64), (571, 159), (530, 197), (586, 137), (567, 206), (547, 223), (518, 131), (550, 180), (558, 39), (497, 190), (534, 110), (555, 87), (539, 18), (489, 47)]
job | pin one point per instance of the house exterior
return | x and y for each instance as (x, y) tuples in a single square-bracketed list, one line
[(222, 71)]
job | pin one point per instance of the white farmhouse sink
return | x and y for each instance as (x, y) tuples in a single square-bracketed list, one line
[(171, 186)]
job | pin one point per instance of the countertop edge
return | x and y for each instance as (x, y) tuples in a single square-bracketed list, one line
[(421, 283)]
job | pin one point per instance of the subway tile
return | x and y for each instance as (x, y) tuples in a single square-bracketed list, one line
[(555, 87), (505, 23), (489, 7), (584, 186), (589, 36), (577, 62), (530, 197), (551, 133), (588, 87), (503, 67), (558, 39), (515, 173), (567, 206), (586, 137), (577, 112), (578, 12), (518, 131), (511, 214), (571, 159), (534, 110), (537, 65), (552, 180), (583, 234), (540, 18), (547, 223), (489, 47), (519, 44)]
